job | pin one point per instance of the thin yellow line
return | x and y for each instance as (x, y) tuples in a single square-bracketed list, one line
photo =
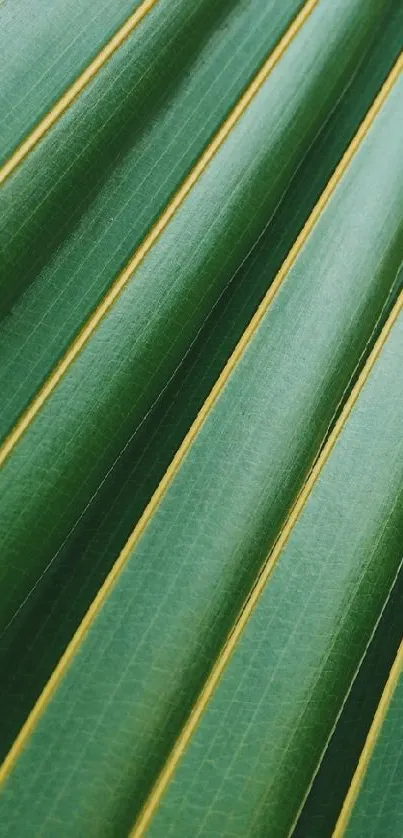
[(174, 466), (250, 604), (122, 280), (370, 744), (75, 90)]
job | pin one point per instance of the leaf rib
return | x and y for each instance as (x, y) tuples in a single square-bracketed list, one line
[(114, 574), (116, 289), (75, 90), (252, 600), (370, 744)]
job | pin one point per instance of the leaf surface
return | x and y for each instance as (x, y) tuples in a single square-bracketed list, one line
[(57, 457), (125, 144), (373, 805), (33, 645), (179, 588), (53, 49), (264, 727), (331, 785)]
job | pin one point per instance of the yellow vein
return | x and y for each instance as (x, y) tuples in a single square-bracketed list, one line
[(75, 90), (103, 593), (249, 606), (239, 627), (122, 280), (343, 704), (370, 744)]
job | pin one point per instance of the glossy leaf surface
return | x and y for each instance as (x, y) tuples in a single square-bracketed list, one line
[(208, 538), (57, 463), (373, 806), (201, 465), (100, 177), (56, 42), (32, 647), (263, 731), (331, 785)]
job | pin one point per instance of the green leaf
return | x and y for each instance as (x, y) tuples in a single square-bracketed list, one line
[(58, 455), (201, 343), (33, 645), (45, 196), (373, 805), (101, 176), (53, 50), (94, 747), (330, 787), (302, 632)]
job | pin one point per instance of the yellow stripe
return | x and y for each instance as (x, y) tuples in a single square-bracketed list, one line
[(370, 744), (75, 90), (122, 280), (173, 468), (212, 682), (239, 627), (343, 704)]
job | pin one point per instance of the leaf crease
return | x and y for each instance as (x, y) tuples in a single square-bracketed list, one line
[(118, 286), (238, 628), (75, 90)]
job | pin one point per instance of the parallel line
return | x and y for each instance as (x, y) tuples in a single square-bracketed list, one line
[(234, 637), (118, 286), (67, 99), (97, 604), (251, 603), (370, 745)]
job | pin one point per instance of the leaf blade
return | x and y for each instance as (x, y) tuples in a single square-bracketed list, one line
[(49, 620), (144, 336), (163, 714), (379, 768)]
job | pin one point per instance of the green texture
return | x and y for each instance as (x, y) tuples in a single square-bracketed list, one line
[(31, 649), (153, 643), (85, 197), (69, 447), (57, 41), (324, 802), (378, 810), (245, 414), (261, 737)]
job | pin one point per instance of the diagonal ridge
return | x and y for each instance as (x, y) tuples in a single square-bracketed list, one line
[(370, 745), (122, 280), (114, 574), (75, 90)]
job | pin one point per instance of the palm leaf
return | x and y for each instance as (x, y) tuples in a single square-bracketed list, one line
[(46, 623), (285, 668), (133, 342), (201, 332), (55, 60), (201, 601), (330, 787), (134, 160), (373, 804)]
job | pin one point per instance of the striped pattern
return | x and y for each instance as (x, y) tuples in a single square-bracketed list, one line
[(105, 382), (166, 217), (75, 90), (377, 741)]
